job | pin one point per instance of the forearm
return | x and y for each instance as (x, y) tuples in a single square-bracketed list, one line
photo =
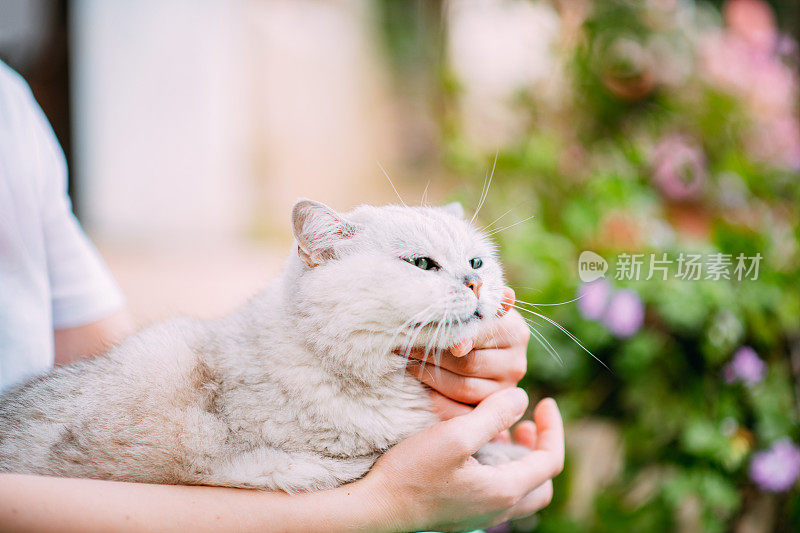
[(91, 339), (35, 503)]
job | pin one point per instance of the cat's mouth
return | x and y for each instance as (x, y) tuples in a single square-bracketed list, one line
[(453, 321)]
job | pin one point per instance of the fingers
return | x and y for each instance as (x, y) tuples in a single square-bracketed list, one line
[(503, 332), (463, 348), (509, 329), (547, 459), (550, 436), (462, 389), (447, 408), (508, 300), (525, 434), (534, 501), (493, 415), (503, 436)]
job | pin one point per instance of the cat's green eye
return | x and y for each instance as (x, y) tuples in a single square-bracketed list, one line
[(476, 262), (425, 263)]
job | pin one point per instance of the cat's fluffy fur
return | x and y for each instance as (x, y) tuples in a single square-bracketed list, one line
[(299, 389)]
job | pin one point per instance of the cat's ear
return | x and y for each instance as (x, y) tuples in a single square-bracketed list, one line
[(453, 208), (318, 229)]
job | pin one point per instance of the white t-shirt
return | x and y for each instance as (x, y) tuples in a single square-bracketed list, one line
[(50, 274)]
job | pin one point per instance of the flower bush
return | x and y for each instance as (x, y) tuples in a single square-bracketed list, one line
[(666, 130)]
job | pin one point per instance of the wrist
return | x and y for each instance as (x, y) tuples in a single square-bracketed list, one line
[(378, 504)]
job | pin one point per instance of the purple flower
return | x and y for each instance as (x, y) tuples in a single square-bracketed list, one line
[(625, 313), (777, 468), (593, 298), (679, 168), (746, 367)]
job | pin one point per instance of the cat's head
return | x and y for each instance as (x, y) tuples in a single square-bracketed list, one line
[(394, 275)]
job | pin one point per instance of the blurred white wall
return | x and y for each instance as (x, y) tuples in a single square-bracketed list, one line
[(159, 119), (320, 104), (197, 120)]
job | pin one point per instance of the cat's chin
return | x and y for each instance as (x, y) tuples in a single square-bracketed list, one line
[(440, 336)]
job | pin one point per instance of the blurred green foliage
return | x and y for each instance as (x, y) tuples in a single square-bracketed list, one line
[(587, 168)]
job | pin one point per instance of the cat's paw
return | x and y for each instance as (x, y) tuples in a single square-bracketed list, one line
[(497, 453)]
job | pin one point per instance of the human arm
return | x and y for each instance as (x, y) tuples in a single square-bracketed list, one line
[(427, 481), (91, 339), (36, 503)]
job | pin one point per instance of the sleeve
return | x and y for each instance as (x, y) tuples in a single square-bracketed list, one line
[(81, 286)]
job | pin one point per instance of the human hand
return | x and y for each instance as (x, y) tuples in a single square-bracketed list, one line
[(431, 481), (474, 369)]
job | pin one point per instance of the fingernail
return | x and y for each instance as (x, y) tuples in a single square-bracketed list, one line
[(463, 348), (509, 297), (550, 401), (519, 400)]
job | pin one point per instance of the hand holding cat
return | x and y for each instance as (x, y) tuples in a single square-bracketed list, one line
[(431, 480), (476, 368)]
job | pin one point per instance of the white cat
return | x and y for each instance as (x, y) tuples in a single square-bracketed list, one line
[(302, 388)]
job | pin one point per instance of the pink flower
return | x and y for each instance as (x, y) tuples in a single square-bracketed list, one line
[(679, 168), (593, 298), (625, 313), (778, 141), (753, 20), (749, 61)]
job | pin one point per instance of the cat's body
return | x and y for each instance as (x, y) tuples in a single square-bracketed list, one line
[(299, 389)]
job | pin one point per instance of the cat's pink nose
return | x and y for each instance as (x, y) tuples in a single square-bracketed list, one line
[(475, 286)]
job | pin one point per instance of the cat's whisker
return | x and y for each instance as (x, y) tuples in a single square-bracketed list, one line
[(458, 319), (424, 201), (498, 230), (415, 318), (525, 306), (541, 339), (405, 351), (418, 329), (392, 184), (505, 329), (520, 287), (433, 343), (495, 221), (485, 191), (445, 334), (415, 331), (550, 304), (567, 333), (401, 328)]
